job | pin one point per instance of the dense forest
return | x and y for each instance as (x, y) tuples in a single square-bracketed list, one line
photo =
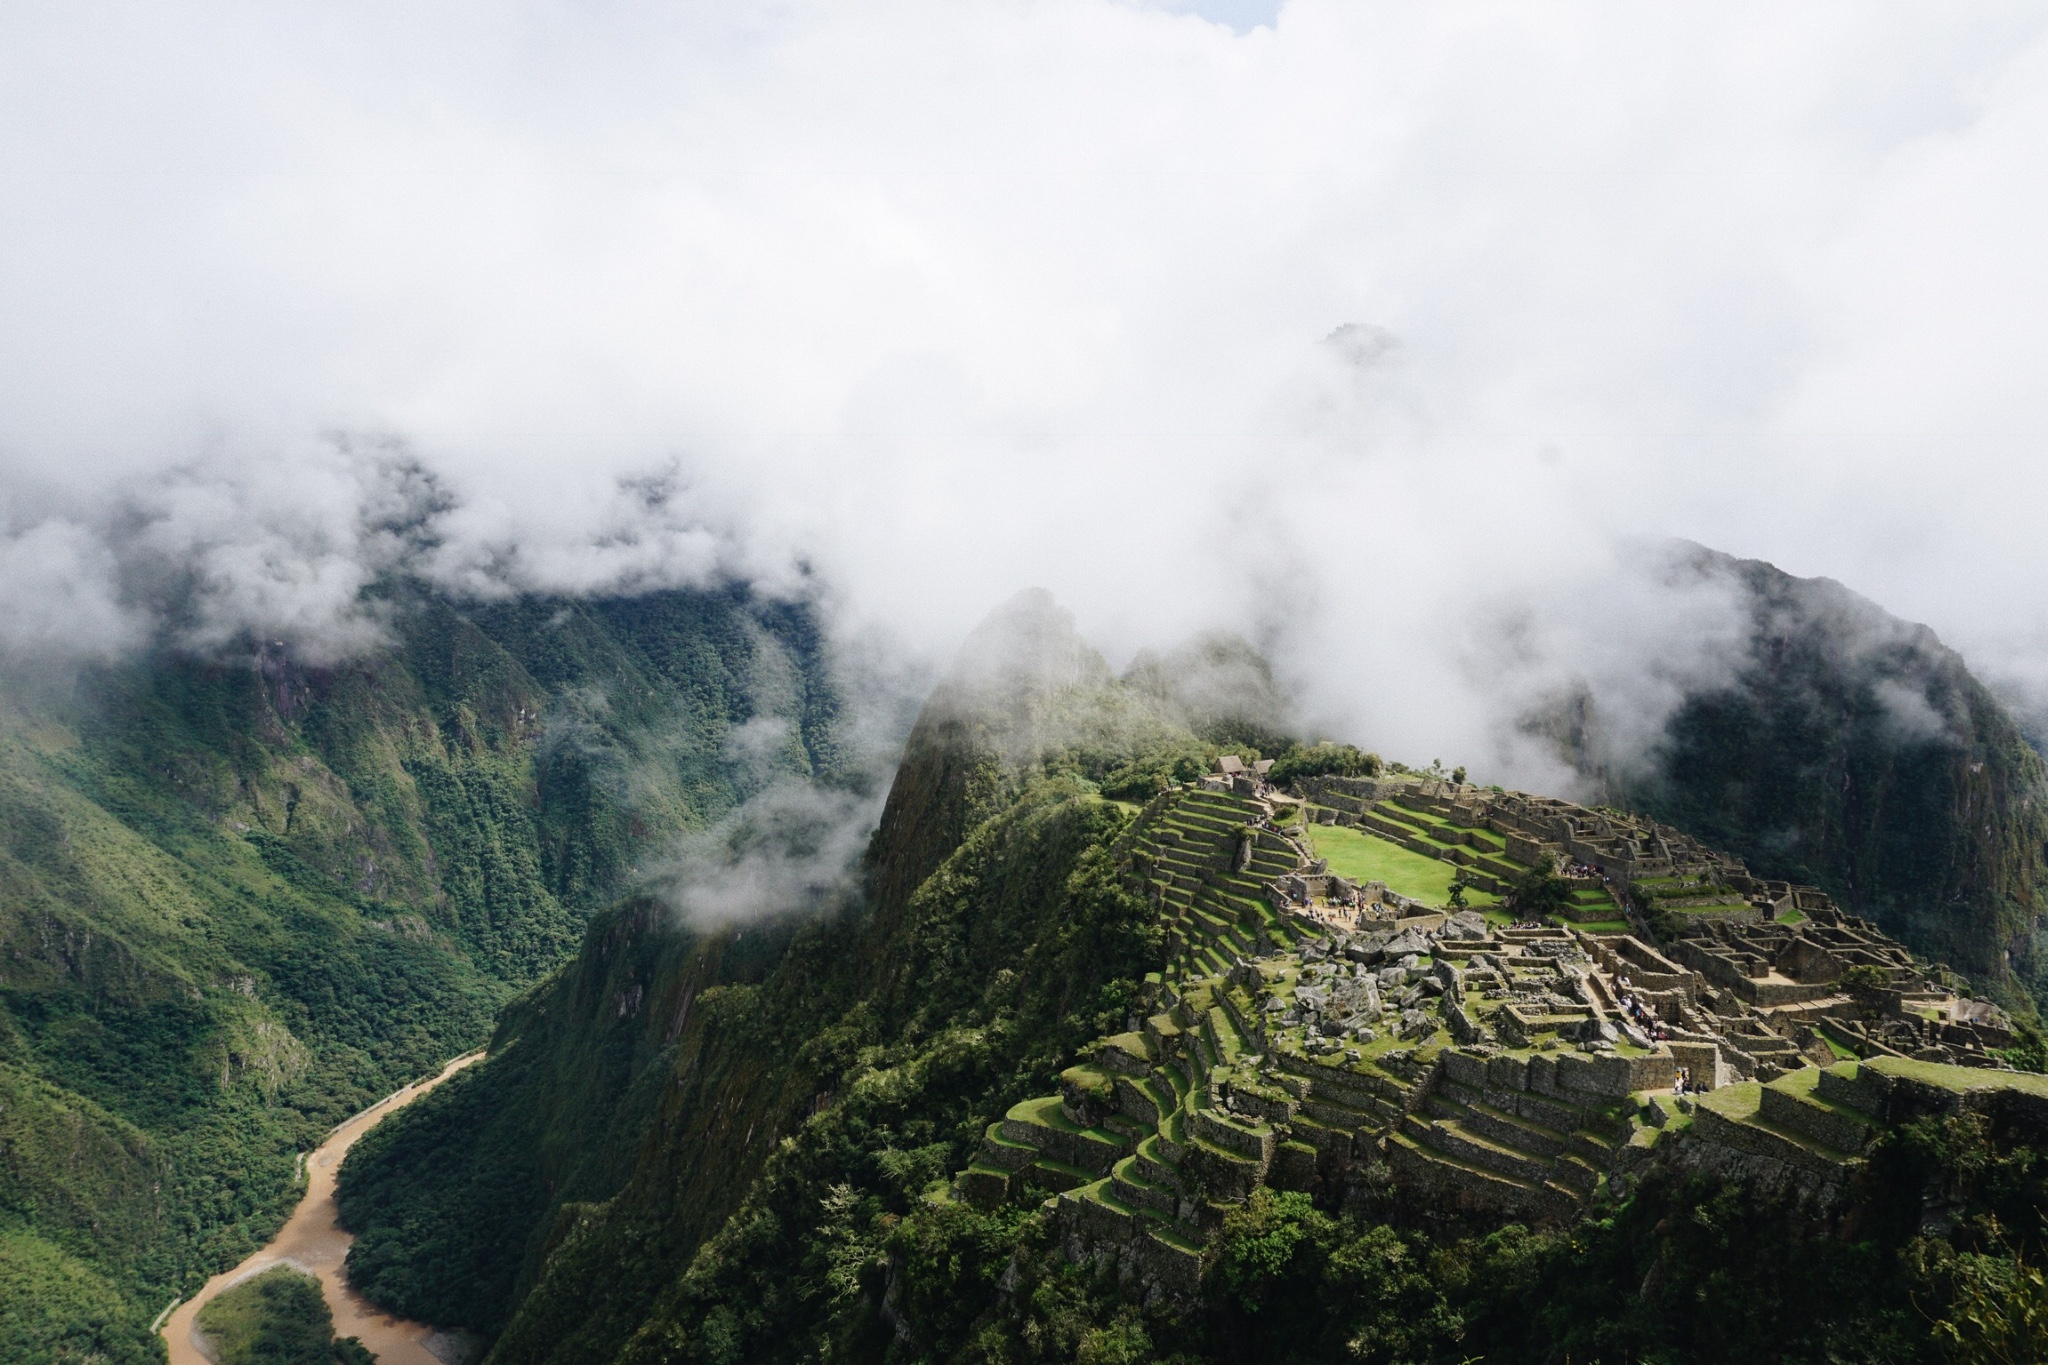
[(736, 1148), (243, 896)]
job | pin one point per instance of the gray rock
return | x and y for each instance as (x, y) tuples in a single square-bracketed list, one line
[(1466, 924), (1405, 942)]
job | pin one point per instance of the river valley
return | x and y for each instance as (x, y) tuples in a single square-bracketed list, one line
[(312, 1241)]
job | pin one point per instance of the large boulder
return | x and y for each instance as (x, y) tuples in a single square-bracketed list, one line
[(1465, 925)]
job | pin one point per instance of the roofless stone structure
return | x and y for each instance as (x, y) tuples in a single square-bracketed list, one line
[(1315, 1033)]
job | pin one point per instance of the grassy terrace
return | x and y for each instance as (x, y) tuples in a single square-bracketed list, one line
[(1958, 1078), (1438, 830), (1366, 857)]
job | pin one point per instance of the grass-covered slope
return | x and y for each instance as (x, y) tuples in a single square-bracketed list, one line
[(241, 898)]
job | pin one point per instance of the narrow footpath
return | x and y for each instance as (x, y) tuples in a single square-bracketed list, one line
[(312, 1241)]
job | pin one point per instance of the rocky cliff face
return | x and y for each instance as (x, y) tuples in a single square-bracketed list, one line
[(1856, 752)]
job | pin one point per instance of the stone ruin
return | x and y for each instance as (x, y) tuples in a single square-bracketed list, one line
[(1233, 774), (1496, 836), (1312, 1033)]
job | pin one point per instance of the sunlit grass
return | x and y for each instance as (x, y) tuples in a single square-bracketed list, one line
[(1363, 857)]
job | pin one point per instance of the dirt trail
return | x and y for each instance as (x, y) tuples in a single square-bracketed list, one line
[(312, 1242)]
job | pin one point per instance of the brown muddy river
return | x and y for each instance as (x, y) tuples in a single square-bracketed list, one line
[(311, 1241)]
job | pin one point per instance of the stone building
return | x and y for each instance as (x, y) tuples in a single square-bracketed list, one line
[(1312, 1033)]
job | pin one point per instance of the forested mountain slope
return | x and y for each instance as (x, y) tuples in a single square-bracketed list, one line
[(241, 897), (867, 1051), (1856, 752), (736, 1147)]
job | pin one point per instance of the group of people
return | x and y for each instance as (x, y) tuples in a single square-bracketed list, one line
[(1681, 1084), (1649, 1023)]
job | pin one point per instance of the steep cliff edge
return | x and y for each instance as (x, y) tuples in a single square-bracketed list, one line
[(1856, 752), (880, 1041)]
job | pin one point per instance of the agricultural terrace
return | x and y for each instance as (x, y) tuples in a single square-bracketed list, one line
[(1317, 1025)]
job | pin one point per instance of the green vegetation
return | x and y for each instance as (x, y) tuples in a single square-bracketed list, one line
[(1144, 777), (277, 1318), (2030, 1052), (1366, 857), (1319, 760), (1687, 1269), (243, 899), (1539, 893), (1802, 769), (1020, 947), (751, 1164), (54, 1307)]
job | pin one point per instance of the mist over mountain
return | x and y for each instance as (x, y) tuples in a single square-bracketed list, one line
[(248, 895), (1834, 743), (737, 1144), (1344, 314), (679, 542)]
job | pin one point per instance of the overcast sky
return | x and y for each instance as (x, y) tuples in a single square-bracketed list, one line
[(1356, 326)]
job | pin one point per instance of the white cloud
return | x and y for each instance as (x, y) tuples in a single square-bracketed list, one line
[(945, 299)]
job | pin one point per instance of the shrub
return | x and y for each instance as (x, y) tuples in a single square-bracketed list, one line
[(1324, 760)]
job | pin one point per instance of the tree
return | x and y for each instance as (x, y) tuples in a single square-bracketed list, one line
[(2030, 1053), (1539, 892), (1866, 985), (1457, 901), (1458, 774)]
